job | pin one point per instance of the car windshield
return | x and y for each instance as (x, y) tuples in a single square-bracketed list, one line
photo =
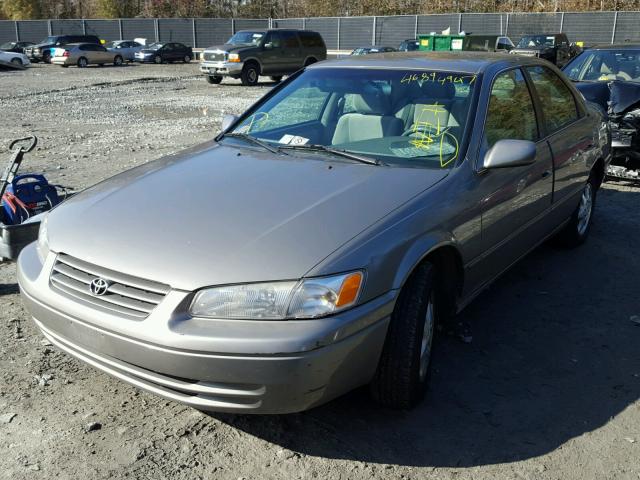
[(112, 44), (605, 65), (7, 45), (155, 46), (246, 38), (533, 41), (412, 118)]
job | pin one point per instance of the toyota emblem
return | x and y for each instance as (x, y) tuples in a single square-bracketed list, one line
[(99, 286)]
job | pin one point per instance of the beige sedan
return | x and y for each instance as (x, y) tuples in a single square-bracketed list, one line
[(83, 54)]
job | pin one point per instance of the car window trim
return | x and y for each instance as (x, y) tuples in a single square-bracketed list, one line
[(478, 168)]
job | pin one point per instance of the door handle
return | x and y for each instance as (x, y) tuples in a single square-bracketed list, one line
[(546, 173)]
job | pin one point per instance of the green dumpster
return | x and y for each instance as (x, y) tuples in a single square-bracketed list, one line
[(439, 43)]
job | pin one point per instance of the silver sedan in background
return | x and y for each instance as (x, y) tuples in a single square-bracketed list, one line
[(126, 48), (84, 54), (327, 231)]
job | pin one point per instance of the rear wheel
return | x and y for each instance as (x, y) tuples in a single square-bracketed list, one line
[(157, 59), (16, 61), (250, 74), (82, 62), (118, 61), (213, 79), (576, 231), (187, 59), (276, 78), (402, 375)]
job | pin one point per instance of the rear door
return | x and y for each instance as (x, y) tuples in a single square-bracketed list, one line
[(292, 58), (568, 133), (517, 198)]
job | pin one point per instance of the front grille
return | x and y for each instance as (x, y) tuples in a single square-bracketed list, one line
[(128, 296), (214, 56)]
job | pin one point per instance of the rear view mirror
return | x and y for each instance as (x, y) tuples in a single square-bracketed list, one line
[(228, 120), (510, 153)]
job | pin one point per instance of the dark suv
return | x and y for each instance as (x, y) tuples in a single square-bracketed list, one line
[(554, 47), (249, 54), (41, 52)]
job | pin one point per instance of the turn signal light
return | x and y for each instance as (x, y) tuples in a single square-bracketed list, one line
[(349, 289)]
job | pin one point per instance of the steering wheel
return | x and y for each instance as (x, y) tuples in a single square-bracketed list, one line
[(422, 129)]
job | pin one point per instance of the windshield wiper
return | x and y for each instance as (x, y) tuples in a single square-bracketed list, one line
[(335, 151), (254, 140)]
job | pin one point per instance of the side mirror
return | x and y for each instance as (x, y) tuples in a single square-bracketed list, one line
[(510, 153), (268, 46), (228, 120)]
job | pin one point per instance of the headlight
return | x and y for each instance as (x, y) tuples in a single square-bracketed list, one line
[(307, 298), (42, 246), (234, 57)]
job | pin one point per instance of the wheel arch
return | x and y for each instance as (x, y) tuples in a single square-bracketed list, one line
[(254, 60)]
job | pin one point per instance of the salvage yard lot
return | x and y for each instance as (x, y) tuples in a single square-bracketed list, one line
[(548, 389)]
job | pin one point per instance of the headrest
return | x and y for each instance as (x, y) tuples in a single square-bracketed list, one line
[(435, 116), (372, 101), (438, 90)]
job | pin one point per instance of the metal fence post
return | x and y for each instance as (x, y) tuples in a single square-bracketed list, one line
[(15, 26), (615, 26), (373, 33), (459, 22), (193, 29), (338, 33), (304, 23), (84, 26), (561, 21), (415, 28), (157, 29), (506, 26), (233, 26), (49, 27), (120, 28)]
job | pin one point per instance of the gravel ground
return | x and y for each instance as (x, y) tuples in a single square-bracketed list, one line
[(548, 389)]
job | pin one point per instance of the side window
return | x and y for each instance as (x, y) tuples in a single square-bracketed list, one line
[(289, 40), (274, 39), (510, 114), (558, 105)]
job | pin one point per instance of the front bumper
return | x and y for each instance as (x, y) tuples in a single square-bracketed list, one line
[(143, 58), (221, 68), (215, 365)]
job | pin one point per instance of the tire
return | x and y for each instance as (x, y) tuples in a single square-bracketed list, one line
[(16, 61), (402, 376), (157, 59), (64, 66), (82, 62), (46, 58), (118, 61), (187, 59), (276, 78), (577, 230), (213, 79), (250, 74)]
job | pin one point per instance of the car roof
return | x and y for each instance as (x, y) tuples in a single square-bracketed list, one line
[(464, 62), (616, 46)]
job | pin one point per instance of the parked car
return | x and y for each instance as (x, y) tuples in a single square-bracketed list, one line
[(126, 48), (249, 54), (43, 51), (85, 54), (372, 49), (19, 59), (330, 228), (554, 47), (165, 52), (487, 43), (609, 76), (15, 47), (409, 45)]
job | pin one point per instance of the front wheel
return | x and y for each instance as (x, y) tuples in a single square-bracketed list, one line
[(16, 61), (576, 231), (250, 74), (403, 371), (157, 59), (187, 59), (118, 61), (213, 79)]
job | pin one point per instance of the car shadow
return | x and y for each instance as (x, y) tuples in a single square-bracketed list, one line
[(9, 289), (554, 355)]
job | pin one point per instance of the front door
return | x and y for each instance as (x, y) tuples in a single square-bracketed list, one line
[(272, 61), (517, 197)]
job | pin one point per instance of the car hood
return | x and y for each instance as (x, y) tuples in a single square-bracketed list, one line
[(227, 47), (615, 97), (219, 214)]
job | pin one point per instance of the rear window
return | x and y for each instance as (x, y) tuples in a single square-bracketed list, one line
[(311, 39)]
